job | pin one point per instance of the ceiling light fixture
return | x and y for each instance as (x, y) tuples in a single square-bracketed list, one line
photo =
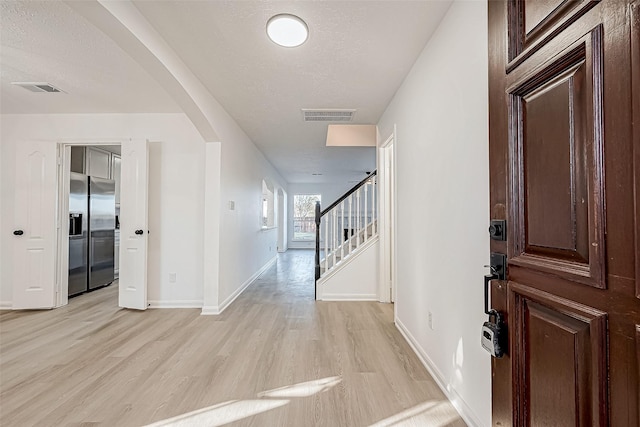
[(287, 30)]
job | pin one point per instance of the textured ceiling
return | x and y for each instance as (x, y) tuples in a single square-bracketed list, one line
[(48, 42), (356, 57)]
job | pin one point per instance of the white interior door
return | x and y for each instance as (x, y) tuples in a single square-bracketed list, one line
[(34, 235), (134, 225)]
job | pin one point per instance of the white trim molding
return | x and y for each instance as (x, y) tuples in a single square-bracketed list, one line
[(6, 305), (349, 297), (456, 400), (175, 304), (214, 310)]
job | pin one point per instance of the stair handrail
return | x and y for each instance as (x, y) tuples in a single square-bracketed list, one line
[(321, 213), (347, 194)]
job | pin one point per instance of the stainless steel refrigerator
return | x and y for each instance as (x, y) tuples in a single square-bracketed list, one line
[(78, 233), (91, 233)]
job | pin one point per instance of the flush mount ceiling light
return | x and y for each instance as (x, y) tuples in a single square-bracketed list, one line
[(287, 30)]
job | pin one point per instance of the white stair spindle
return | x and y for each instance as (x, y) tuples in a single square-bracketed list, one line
[(374, 208), (350, 233), (334, 215), (366, 213), (341, 231), (326, 244), (359, 213)]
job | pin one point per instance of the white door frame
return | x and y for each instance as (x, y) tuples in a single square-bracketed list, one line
[(387, 209), (62, 246)]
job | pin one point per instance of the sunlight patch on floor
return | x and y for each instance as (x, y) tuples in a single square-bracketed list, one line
[(428, 414), (234, 410), (305, 389), (222, 413)]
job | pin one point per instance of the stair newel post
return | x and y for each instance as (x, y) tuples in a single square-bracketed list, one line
[(318, 216)]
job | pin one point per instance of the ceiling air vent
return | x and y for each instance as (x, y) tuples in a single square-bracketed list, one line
[(37, 87), (328, 115)]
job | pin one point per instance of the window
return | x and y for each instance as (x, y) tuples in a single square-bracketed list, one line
[(304, 216), (268, 206)]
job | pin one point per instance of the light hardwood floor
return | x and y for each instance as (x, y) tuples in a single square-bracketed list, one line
[(275, 357)]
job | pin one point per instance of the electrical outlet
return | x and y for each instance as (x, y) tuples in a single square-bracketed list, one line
[(172, 277), (430, 317)]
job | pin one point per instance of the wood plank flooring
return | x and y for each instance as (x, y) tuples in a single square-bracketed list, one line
[(275, 357)]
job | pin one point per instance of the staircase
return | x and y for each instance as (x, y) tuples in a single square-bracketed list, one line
[(346, 228)]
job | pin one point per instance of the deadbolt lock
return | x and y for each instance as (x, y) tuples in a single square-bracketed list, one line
[(498, 229)]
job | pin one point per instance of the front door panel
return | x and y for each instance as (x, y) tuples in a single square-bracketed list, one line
[(560, 359), (556, 151), (562, 175)]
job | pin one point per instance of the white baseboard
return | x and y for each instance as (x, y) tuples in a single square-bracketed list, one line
[(217, 309), (175, 304), (210, 310), (302, 245), (456, 400), (349, 297), (6, 305)]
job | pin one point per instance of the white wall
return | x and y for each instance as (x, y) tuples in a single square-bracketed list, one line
[(356, 279), (245, 246), (177, 162), (329, 192), (442, 205), (176, 175)]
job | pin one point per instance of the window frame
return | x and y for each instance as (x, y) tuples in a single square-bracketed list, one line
[(293, 218)]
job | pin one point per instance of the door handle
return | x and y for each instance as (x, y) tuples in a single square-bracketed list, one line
[(488, 278), (498, 268), (18, 233), (139, 232), (494, 332)]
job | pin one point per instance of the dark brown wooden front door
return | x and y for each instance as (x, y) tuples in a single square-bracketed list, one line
[(564, 93)]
